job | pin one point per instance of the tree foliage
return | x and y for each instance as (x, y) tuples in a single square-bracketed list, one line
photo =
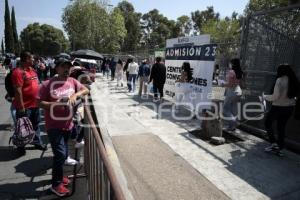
[(184, 25), (132, 25), (200, 18), (43, 39), (8, 33), (258, 5), (90, 26), (156, 29), (225, 32), (15, 33), (2, 47)]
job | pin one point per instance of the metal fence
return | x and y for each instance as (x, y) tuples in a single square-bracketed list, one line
[(101, 180), (269, 39)]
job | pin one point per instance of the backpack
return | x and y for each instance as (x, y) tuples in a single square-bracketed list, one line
[(9, 87), (24, 132)]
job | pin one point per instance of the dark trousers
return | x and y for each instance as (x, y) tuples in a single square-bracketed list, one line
[(280, 114), (113, 70), (34, 116), (59, 143), (160, 88)]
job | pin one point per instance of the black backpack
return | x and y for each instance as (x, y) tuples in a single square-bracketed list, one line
[(9, 87)]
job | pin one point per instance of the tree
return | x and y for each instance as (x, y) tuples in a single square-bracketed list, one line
[(225, 32), (88, 25), (202, 17), (157, 29), (8, 33), (2, 48), (132, 25), (15, 33), (258, 5), (184, 25), (43, 39), (118, 30)]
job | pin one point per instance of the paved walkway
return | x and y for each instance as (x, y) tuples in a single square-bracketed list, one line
[(163, 160)]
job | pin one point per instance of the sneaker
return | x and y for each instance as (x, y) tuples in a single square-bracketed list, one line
[(66, 181), (60, 190), (79, 144), (272, 147), (70, 161)]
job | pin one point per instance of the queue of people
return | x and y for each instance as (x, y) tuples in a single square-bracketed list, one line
[(58, 97), (59, 93)]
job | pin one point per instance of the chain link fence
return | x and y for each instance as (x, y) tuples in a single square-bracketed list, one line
[(270, 38)]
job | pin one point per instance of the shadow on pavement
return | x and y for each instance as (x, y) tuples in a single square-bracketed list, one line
[(5, 127), (8, 154), (34, 167), (275, 177), (27, 190)]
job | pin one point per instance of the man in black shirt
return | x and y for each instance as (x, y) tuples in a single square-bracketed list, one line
[(158, 75)]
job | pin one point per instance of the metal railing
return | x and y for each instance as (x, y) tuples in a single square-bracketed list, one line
[(102, 183)]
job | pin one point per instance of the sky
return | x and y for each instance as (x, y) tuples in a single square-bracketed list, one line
[(50, 11)]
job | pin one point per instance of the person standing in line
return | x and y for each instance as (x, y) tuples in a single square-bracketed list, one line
[(125, 69), (158, 76), (233, 93), (143, 74), (283, 100), (119, 73), (112, 67), (58, 97), (133, 72), (26, 88)]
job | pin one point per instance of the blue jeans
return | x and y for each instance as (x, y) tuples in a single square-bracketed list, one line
[(131, 86), (59, 143), (13, 114), (34, 116), (230, 108)]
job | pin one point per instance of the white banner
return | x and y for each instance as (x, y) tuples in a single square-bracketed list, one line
[(197, 51)]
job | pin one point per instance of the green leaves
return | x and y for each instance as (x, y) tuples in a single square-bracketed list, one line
[(43, 39), (90, 26)]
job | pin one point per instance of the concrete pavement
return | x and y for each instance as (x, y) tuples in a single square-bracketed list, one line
[(240, 170)]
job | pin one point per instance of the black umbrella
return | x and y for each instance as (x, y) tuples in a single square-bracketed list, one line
[(87, 54)]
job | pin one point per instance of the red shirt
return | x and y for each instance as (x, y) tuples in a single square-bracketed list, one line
[(28, 80), (61, 117)]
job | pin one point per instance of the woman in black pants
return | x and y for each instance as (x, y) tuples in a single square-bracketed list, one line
[(283, 101)]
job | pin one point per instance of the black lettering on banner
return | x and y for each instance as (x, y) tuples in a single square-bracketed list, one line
[(204, 52)]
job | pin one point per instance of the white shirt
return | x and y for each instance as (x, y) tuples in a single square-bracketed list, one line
[(133, 68), (279, 96)]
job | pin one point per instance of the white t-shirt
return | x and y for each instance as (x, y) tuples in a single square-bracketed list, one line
[(133, 68), (279, 96)]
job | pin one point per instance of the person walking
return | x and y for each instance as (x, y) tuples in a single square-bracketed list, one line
[(119, 73), (233, 93), (143, 74), (158, 76), (283, 100), (57, 97), (133, 72), (112, 67), (26, 88)]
